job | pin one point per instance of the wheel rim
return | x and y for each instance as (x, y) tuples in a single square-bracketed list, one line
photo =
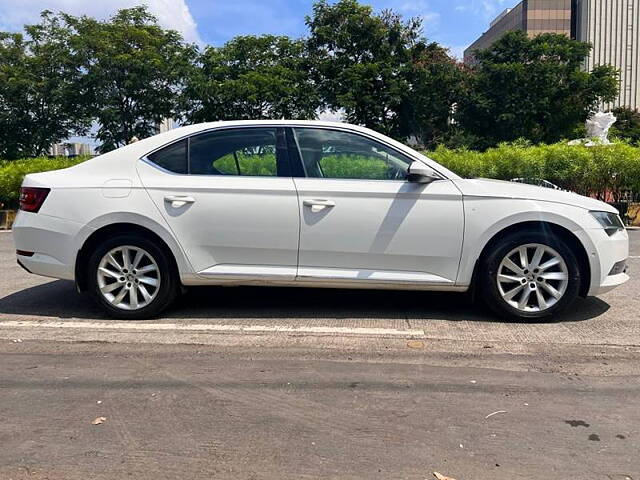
[(128, 277), (532, 277)]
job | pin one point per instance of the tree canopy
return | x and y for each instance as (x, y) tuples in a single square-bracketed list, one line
[(134, 73), (380, 71), (252, 77), (124, 75), (532, 88), (38, 90), (627, 126)]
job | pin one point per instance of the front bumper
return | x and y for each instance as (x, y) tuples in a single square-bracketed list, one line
[(604, 252), (51, 241), (611, 282)]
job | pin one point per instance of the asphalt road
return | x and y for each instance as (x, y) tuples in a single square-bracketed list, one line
[(248, 383)]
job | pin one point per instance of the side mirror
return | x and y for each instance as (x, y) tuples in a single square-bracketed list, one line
[(418, 172)]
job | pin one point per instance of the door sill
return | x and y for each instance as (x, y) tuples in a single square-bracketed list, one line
[(270, 275), (249, 272), (369, 276)]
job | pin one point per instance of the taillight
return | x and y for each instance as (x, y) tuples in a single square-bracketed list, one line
[(32, 198)]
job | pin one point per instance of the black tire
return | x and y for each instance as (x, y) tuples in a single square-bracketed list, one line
[(488, 274), (167, 290)]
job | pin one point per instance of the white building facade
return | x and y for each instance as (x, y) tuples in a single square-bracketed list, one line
[(613, 28)]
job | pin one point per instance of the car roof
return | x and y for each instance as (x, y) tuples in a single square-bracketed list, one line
[(284, 123), (146, 146)]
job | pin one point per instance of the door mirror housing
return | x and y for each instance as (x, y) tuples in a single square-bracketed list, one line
[(418, 172)]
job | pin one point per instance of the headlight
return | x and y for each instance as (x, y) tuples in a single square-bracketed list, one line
[(609, 221)]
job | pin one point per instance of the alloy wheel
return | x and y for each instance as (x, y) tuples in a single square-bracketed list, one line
[(532, 277), (128, 277)]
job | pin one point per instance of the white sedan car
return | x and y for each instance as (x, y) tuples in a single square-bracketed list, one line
[(311, 204)]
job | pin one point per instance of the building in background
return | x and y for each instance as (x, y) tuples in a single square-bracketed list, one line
[(71, 149), (531, 16), (58, 150), (611, 26), (509, 20), (165, 125), (79, 149)]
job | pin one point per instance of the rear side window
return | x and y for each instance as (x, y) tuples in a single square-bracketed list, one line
[(246, 152), (172, 158), (240, 152)]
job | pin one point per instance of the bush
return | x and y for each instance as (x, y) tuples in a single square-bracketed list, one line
[(605, 171), (12, 173)]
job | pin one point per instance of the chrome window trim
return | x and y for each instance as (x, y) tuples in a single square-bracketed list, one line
[(145, 158), (285, 125)]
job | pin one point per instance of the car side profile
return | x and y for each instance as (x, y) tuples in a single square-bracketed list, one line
[(315, 204)]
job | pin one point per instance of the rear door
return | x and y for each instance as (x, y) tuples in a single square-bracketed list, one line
[(229, 199), (363, 222)]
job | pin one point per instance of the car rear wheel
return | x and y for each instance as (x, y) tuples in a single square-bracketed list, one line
[(130, 277), (529, 275)]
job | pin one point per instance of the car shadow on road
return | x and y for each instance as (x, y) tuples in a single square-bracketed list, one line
[(60, 299)]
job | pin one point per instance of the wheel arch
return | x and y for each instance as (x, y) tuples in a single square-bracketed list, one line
[(178, 262), (546, 228)]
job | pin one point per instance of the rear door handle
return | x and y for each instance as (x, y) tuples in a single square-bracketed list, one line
[(318, 205), (178, 201)]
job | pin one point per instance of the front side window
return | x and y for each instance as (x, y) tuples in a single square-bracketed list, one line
[(245, 151), (336, 154)]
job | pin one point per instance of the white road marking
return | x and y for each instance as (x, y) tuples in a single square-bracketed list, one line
[(250, 329)]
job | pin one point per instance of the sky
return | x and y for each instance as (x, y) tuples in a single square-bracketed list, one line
[(453, 23)]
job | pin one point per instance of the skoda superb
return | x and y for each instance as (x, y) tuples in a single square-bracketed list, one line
[(308, 204)]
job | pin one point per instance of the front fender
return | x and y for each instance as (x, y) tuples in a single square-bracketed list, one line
[(486, 218)]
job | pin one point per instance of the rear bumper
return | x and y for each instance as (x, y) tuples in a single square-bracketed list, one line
[(604, 252), (52, 241)]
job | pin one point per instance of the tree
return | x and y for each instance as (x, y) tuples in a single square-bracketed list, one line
[(434, 83), (251, 77), (39, 81), (532, 88), (380, 71), (627, 126), (134, 73)]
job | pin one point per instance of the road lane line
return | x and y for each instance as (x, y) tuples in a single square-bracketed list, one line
[(177, 327)]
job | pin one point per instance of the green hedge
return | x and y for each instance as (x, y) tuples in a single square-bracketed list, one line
[(12, 173), (604, 171)]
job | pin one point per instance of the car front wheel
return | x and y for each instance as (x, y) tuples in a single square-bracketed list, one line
[(131, 278), (529, 275)]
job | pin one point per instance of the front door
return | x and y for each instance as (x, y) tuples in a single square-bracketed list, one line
[(229, 199), (361, 221)]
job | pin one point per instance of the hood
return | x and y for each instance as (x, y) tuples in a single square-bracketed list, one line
[(479, 187)]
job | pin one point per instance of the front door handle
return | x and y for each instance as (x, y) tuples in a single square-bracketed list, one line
[(178, 201), (318, 205)]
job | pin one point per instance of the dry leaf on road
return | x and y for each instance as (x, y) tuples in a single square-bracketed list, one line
[(495, 413), (439, 476), (99, 421)]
